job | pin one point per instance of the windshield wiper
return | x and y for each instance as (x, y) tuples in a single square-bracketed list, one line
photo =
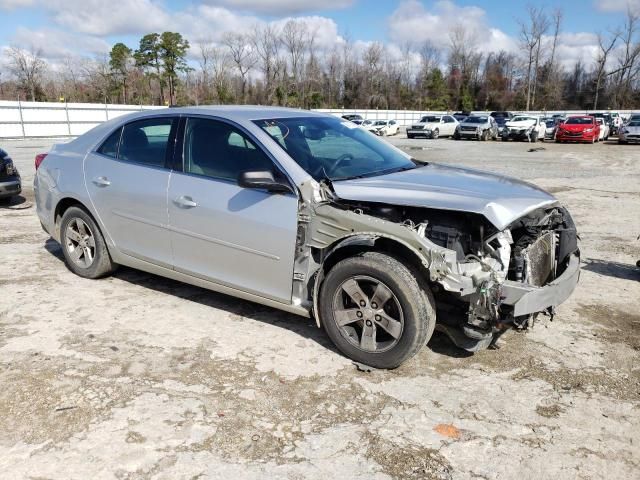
[(377, 173)]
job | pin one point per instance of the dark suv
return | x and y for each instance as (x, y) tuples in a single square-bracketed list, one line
[(9, 177)]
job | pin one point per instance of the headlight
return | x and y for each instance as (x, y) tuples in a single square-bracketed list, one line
[(588, 130), (10, 168), (624, 130)]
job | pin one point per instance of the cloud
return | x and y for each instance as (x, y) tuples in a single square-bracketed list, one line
[(280, 7), (12, 4), (617, 5), (56, 44), (412, 22), (102, 18)]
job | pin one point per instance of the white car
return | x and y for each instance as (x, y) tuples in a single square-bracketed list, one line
[(630, 132), (383, 127), (524, 127), (604, 129), (433, 126)]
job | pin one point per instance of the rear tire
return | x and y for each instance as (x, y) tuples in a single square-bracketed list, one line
[(85, 251), (380, 335)]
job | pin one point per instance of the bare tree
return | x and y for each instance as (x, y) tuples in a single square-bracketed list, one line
[(605, 46), (295, 38), (629, 67), (266, 43), (531, 33), (28, 67), (242, 57)]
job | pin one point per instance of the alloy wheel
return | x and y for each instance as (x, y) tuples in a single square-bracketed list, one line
[(81, 244), (368, 314)]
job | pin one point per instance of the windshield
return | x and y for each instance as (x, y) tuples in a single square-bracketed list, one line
[(551, 123), (579, 121), (381, 122), (476, 120), (330, 148), (523, 118), (430, 119), (501, 120)]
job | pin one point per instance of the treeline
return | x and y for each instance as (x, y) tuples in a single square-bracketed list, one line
[(287, 66)]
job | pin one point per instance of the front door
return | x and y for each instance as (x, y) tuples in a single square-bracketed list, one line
[(127, 181), (243, 238)]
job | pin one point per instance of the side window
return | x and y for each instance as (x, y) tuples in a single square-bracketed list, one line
[(110, 145), (392, 122), (145, 141), (218, 150)]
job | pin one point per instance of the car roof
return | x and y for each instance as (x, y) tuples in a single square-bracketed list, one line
[(234, 112)]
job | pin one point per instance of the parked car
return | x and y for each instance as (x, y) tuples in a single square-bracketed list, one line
[(353, 118), (460, 116), (630, 132), (606, 117), (604, 129), (433, 126), (308, 213), (524, 127), (583, 128), (633, 117), (383, 127), (10, 182), (551, 126), (501, 119), (480, 127)]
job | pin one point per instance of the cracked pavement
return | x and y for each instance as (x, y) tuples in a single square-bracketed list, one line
[(140, 377)]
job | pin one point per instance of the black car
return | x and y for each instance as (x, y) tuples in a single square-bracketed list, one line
[(9, 177)]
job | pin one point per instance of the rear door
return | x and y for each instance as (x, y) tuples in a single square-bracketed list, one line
[(127, 180), (243, 238)]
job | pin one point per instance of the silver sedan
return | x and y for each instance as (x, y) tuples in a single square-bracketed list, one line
[(310, 214)]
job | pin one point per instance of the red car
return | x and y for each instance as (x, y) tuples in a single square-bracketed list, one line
[(582, 128)]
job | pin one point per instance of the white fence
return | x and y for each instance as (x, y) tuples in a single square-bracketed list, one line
[(49, 119)]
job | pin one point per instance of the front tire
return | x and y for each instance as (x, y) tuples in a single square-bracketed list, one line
[(85, 251), (375, 310), (435, 134)]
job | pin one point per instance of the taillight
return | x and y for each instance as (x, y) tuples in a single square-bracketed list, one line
[(39, 158)]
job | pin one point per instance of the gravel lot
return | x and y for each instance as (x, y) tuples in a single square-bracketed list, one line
[(136, 376)]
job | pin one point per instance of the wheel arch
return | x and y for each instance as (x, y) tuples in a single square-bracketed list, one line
[(359, 243), (62, 206)]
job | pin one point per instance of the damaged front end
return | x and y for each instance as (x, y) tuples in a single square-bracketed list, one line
[(484, 279)]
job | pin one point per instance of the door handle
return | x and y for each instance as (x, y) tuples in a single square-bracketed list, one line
[(101, 182), (185, 202)]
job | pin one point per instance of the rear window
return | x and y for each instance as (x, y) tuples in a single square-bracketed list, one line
[(111, 144)]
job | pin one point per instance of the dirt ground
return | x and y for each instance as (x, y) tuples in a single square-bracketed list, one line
[(136, 376)]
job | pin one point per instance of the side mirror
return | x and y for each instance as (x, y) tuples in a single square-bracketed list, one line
[(264, 180)]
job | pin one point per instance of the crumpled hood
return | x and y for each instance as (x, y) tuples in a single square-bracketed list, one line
[(521, 124), (502, 200)]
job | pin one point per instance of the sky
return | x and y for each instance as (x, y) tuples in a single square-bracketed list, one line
[(62, 28)]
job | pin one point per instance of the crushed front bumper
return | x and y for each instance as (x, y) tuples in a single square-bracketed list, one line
[(527, 299)]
